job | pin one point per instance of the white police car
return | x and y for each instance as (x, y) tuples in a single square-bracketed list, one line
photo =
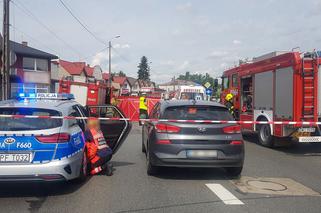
[(35, 147)]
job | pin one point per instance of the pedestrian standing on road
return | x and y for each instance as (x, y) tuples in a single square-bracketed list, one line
[(98, 151), (143, 108)]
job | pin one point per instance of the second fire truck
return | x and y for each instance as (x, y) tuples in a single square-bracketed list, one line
[(279, 86)]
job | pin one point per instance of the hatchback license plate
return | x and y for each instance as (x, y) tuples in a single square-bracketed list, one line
[(15, 158), (201, 153)]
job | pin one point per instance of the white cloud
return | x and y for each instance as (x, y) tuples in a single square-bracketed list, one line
[(184, 65), (121, 46), (168, 62), (99, 58), (218, 54), (237, 41), (187, 7)]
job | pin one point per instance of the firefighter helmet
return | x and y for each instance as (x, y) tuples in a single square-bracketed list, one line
[(229, 96)]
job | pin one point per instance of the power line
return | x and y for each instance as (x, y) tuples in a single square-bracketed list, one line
[(34, 39), (25, 10), (122, 57), (82, 24)]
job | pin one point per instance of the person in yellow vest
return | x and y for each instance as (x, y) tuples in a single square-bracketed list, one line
[(143, 108), (229, 103)]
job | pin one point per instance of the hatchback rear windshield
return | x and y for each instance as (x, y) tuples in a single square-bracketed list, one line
[(197, 113), (25, 124)]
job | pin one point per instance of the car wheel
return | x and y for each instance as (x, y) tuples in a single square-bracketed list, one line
[(265, 136), (84, 167), (234, 172), (143, 146), (151, 169)]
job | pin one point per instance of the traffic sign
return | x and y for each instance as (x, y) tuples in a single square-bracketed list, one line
[(207, 85), (209, 92)]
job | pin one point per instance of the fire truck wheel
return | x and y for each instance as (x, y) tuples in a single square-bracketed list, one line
[(265, 137)]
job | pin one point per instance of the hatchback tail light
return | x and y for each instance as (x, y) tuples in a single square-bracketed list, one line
[(55, 138), (165, 128), (164, 142), (236, 142), (232, 129)]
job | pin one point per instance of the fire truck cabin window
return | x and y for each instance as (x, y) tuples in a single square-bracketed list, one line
[(234, 80), (225, 82)]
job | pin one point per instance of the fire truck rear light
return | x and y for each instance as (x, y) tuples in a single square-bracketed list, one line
[(165, 128), (236, 142), (232, 129)]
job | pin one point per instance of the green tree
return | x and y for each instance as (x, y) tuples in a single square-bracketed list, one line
[(121, 73), (143, 69)]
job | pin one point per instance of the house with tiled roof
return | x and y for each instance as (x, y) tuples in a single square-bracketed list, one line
[(125, 87), (143, 86), (76, 71)]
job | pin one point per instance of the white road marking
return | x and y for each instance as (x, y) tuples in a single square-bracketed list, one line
[(226, 196)]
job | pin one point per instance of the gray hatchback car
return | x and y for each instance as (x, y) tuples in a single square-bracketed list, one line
[(168, 141)]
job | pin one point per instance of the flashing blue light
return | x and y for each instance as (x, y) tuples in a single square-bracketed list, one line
[(32, 95), (22, 95)]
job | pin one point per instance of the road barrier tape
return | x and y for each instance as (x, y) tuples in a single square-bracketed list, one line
[(165, 120)]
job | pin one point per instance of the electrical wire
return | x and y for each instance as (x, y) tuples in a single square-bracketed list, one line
[(25, 10), (82, 24)]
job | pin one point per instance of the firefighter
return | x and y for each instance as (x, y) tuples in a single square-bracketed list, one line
[(229, 103), (143, 108), (98, 151)]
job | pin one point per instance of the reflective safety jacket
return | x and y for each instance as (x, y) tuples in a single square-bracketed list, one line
[(142, 103), (96, 145), (229, 105)]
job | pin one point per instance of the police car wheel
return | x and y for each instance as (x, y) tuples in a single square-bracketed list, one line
[(84, 167), (265, 137)]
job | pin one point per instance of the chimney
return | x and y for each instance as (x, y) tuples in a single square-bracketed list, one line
[(24, 43)]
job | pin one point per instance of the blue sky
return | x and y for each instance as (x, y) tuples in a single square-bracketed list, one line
[(176, 35)]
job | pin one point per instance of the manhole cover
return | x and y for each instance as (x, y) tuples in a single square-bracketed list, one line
[(267, 185), (273, 186)]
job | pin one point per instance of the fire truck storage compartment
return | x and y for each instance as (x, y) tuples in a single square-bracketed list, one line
[(247, 93), (79, 92), (284, 93), (263, 91)]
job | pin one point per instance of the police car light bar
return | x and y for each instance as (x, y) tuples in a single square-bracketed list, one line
[(52, 96)]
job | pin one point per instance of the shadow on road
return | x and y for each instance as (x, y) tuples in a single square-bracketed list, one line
[(192, 173), (121, 163), (38, 189), (288, 147)]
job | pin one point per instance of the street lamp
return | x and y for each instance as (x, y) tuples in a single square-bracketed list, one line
[(109, 79)]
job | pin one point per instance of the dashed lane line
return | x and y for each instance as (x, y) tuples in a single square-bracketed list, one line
[(226, 196)]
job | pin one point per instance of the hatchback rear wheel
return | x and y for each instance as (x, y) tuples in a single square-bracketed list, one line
[(151, 169), (234, 172)]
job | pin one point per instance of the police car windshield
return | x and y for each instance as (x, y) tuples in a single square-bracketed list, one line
[(197, 113), (192, 96), (25, 124)]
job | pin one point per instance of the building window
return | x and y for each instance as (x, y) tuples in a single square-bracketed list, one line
[(35, 64)]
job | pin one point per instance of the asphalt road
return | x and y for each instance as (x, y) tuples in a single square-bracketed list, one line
[(175, 190)]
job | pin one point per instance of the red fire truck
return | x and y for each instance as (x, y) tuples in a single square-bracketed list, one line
[(87, 94), (279, 86)]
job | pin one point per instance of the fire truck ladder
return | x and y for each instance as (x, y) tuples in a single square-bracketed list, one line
[(308, 75)]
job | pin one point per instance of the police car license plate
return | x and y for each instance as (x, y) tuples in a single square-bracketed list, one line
[(15, 158), (201, 153)]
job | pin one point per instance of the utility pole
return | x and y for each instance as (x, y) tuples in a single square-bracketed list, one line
[(5, 68), (110, 90)]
